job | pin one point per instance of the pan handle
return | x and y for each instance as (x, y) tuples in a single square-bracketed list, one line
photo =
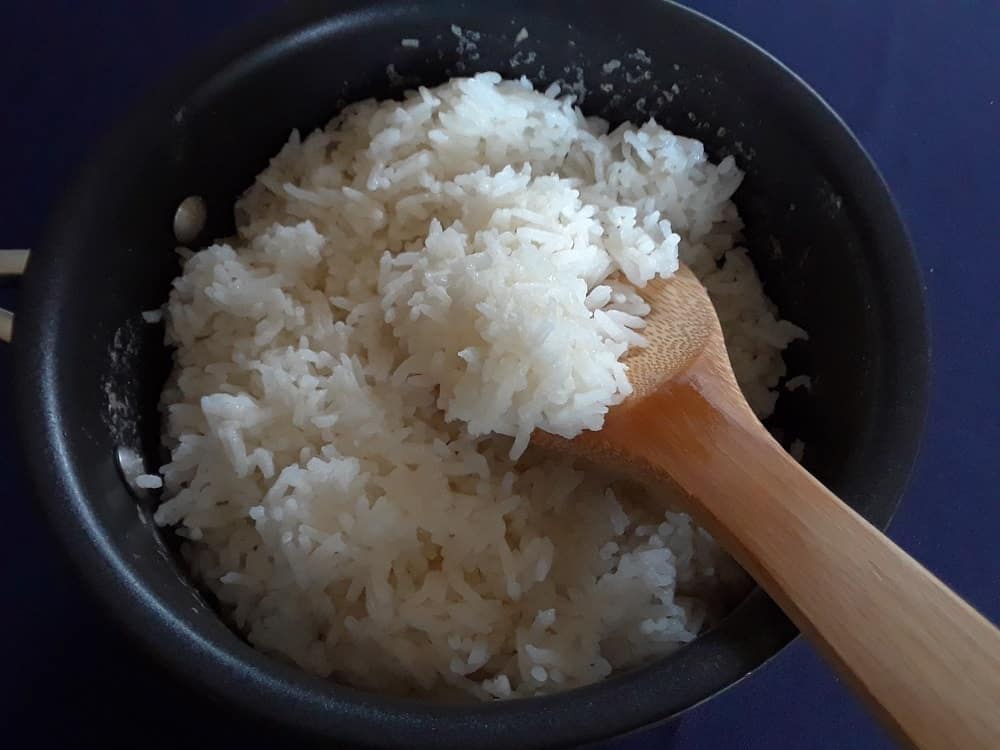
[(12, 263)]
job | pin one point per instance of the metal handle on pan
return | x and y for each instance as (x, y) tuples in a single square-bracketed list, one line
[(12, 263)]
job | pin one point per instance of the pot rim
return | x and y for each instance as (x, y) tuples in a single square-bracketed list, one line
[(288, 696)]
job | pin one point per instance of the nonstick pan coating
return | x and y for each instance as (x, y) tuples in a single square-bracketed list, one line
[(821, 227)]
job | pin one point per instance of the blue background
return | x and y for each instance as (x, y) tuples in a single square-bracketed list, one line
[(918, 81)]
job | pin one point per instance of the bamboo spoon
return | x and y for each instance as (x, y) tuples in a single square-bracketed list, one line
[(927, 663)]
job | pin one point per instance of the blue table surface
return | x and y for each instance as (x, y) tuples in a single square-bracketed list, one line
[(918, 81)]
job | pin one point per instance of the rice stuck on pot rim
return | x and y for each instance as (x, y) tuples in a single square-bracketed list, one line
[(411, 292)]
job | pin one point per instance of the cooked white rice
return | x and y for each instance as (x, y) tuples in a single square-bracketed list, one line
[(412, 291)]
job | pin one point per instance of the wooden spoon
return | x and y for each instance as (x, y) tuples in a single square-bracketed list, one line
[(927, 662)]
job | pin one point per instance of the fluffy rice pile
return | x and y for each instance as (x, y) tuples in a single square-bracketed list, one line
[(411, 292)]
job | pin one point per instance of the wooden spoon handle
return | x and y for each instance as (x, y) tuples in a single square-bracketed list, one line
[(926, 661)]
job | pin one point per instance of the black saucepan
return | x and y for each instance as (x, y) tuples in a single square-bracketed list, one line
[(821, 227)]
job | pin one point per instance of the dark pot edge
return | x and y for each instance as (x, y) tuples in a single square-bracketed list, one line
[(108, 576)]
